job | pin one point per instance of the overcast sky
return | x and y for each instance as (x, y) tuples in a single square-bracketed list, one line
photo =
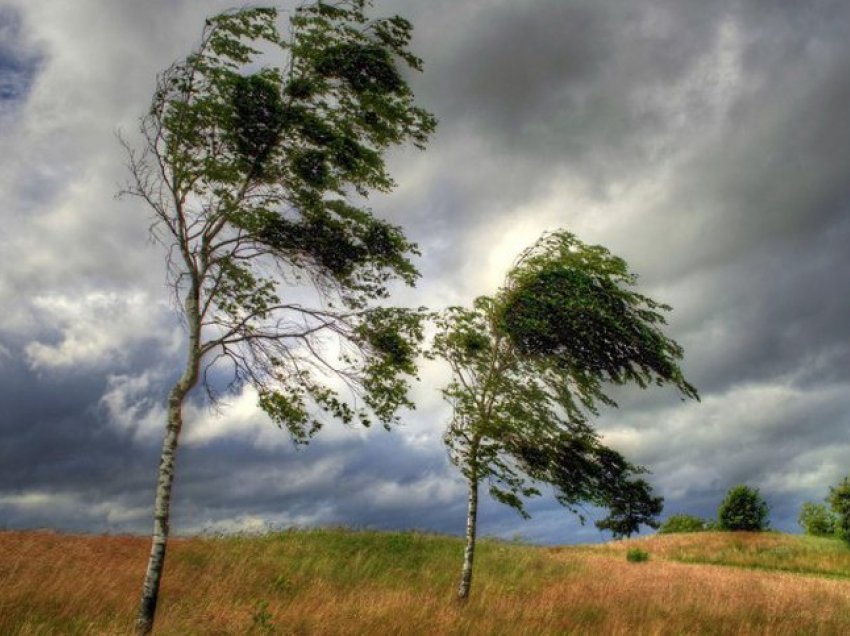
[(707, 143)]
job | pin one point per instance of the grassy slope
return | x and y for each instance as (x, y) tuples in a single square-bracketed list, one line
[(335, 582)]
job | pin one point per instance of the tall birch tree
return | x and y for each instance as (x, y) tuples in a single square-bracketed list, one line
[(256, 176), (530, 366)]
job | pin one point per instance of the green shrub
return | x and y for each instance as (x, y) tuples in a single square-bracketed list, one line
[(683, 523), (261, 619), (743, 509), (817, 520), (839, 501), (636, 555)]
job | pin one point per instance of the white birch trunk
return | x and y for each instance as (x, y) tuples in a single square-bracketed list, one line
[(165, 479), (469, 551), (471, 521)]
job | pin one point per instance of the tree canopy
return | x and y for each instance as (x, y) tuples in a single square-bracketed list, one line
[(743, 508), (816, 519), (631, 504), (250, 172), (574, 305)]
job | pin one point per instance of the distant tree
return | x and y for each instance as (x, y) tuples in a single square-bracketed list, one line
[(683, 523), (528, 368), (631, 505), (839, 501), (251, 173), (817, 519), (743, 509)]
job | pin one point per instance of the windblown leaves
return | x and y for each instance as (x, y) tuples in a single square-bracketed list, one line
[(574, 303), (257, 174)]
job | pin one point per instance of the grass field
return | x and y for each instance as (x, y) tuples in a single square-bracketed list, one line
[(346, 582)]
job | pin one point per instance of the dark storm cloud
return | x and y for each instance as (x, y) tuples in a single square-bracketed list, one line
[(548, 85), (778, 312), (66, 465), (415, 488), (58, 449), (566, 78), (534, 94), (235, 479), (19, 61)]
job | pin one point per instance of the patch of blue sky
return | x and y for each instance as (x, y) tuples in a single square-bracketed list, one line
[(19, 60)]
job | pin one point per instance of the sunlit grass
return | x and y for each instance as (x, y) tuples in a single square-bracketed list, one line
[(765, 550), (345, 582)]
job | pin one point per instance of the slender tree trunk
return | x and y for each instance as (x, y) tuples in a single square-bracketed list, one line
[(471, 521), (469, 551), (165, 479)]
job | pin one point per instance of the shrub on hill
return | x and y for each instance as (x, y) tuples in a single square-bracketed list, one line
[(743, 509), (684, 523), (636, 555), (839, 501), (817, 520)]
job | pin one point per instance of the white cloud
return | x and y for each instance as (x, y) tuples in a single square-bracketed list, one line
[(98, 328), (809, 471), (428, 490), (35, 499), (45, 505), (260, 524), (132, 405)]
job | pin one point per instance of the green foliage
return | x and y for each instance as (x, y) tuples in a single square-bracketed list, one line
[(683, 523), (816, 519), (743, 509), (839, 501), (257, 120), (256, 176), (631, 505), (574, 302), (391, 337), (636, 555)]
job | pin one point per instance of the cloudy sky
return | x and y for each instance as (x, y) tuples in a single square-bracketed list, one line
[(707, 143)]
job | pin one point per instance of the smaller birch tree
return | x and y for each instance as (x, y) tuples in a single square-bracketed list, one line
[(255, 176), (529, 368)]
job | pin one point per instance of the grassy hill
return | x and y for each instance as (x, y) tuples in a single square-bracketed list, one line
[(345, 582)]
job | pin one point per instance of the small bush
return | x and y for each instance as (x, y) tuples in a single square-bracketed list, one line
[(743, 509), (683, 523), (636, 555), (261, 619)]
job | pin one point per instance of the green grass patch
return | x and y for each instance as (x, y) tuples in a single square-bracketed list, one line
[(821, 556), (636, 555)]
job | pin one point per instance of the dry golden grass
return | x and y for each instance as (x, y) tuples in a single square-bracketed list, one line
[(342, 582)]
